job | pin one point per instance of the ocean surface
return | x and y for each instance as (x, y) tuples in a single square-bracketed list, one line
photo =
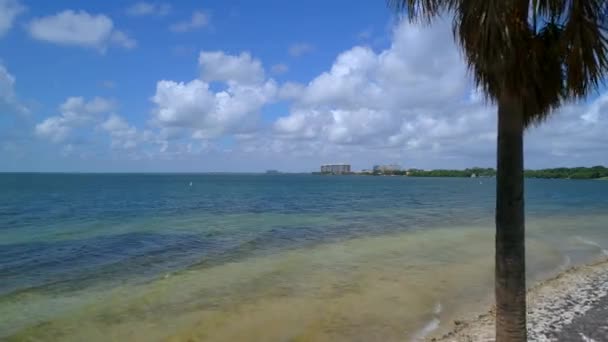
[(235, 257)]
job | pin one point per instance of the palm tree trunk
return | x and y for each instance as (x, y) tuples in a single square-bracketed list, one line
[(510, 277)]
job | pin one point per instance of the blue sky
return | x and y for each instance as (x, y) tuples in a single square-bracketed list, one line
[(248, 86), (234, 26)]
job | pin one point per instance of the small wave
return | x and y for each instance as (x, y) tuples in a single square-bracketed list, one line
[(588, 242), (438, 308), (592, 243), (430, 326), (585, 338)]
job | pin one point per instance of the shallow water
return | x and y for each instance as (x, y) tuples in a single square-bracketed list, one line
[(255, 257)]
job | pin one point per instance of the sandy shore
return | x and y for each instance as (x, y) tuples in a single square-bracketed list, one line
[(571, 306)]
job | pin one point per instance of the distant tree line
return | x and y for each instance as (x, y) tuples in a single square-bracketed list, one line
[(560, 172), (472, 172), (571, 173)]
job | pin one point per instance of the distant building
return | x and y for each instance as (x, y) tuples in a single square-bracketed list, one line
[(335, 169), (386, 168)]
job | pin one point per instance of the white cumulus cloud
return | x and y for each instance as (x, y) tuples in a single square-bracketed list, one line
[(143, 8), (242, 69), (123, 135), (574, 135), (9, 10), (411, 103), (122, 39), (8, 96), (396, 96), (7, 84), (209, 114), (74, 112), (205, 113), (79, 28), (198, 20)]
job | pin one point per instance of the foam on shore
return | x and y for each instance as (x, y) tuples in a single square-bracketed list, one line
[(552, 305), (430, 326)]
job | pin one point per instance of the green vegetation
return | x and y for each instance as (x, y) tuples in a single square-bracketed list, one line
[(595, 172), (472, 172)]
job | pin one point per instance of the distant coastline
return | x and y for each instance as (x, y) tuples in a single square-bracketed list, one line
[(595, 172)]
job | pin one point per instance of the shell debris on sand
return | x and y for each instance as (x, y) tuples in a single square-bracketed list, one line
[(554, 306)]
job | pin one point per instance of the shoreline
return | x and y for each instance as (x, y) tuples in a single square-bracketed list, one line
[(556, 306)]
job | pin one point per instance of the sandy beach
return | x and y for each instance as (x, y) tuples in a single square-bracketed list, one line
[(571, 306)]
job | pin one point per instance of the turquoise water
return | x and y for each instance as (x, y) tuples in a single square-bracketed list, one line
[(266, 257)]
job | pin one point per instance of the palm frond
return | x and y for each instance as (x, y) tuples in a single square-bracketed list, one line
[(490, 33), (424, 10), (543, 51), (544, 89), (552, 9), (585, 46)]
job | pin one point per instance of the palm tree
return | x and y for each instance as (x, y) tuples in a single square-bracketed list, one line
[(529, 57)]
